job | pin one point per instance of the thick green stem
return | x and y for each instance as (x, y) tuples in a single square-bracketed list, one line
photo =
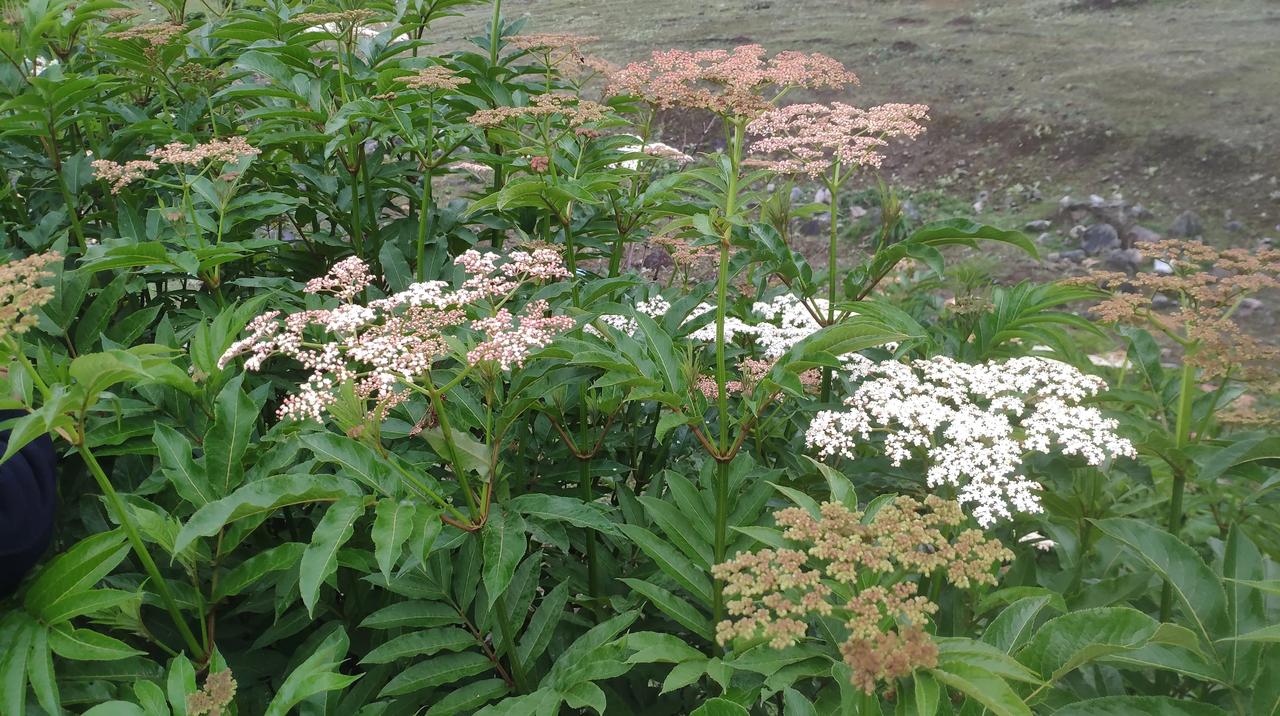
[(722, 286), (833, 184), (424, 226), (508, 636), (1182, 438), (495, 32), (721, 536), (140, 549), (446, 431)]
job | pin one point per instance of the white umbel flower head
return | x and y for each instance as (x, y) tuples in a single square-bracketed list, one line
[(972, 424)]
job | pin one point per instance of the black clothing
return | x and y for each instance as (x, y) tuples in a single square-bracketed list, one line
[(28, 492)]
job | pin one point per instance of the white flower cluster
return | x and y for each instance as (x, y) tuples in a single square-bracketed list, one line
[(786, 321), (973, 423)]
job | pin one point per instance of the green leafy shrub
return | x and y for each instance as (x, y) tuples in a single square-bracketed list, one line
[(391, 382)]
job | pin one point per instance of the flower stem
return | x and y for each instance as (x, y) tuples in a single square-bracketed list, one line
[(833, 184), (140, 549), (722, 299), (508, 636), (1182, 437)]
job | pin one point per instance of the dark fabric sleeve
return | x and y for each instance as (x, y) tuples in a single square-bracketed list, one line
[(28, 494)]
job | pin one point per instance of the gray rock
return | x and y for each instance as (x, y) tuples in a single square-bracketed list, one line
[(1099, 238), (1044, 238), (910, 212), (822, 196), (797, 195), (1126, 260), (1248, 306), (1188, 225), (1161, 302), (1235, 226), (1162, 267), (1138, 234), (1139, 212), (1038, 225), (1074, 255)]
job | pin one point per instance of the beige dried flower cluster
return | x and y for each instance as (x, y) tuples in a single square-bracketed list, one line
[(215, 696), (344, 18), (811, 138), (378, 347), (155, 34), (218, 150), (1208, 285), (554, 47), (176, 153), (574, 112), (774, 593), (434, 77), (726, 82), (121, 175), (21, 293)]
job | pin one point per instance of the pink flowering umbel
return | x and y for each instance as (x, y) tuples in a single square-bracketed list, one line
[(382, 349), (812, 138), (726, 82)]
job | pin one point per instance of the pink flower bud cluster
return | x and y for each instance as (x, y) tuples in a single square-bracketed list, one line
[(510, 339), (727, 82), (972, 423), (811, 138), (376, 348), (777, 593)]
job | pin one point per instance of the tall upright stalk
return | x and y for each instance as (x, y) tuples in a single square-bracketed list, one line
[(833, 185), (1182, 438), (722, 399)]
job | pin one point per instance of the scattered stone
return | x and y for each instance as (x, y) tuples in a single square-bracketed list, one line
[(1161, 302), (1126, 260), (1187, 225), (797, 195), (1077, 231), (822, 196), (1044, 238), (1138, 234), (1139, 212), (1096, 201), (1038, 225), (1074, 255), (1162, 268), (1235, 226), (856, 212), (910, 212), (1099, 238), (1248, 306)]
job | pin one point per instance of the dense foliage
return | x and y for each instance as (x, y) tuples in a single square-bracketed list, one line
[(394, 382)]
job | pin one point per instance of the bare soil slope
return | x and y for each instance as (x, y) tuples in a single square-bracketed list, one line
[(1174, 103)]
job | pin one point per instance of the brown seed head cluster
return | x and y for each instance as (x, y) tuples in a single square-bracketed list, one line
[(21, 293), (554, 47), (1208, 285), (347, 18), (773, 592), (155, 34), (434, 77), (217, 694), (218, 150), (575, 113), (121, 175), (737, 82)]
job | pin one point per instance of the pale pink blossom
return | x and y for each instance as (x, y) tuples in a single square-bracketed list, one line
[(727, 82), (810, 138)]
